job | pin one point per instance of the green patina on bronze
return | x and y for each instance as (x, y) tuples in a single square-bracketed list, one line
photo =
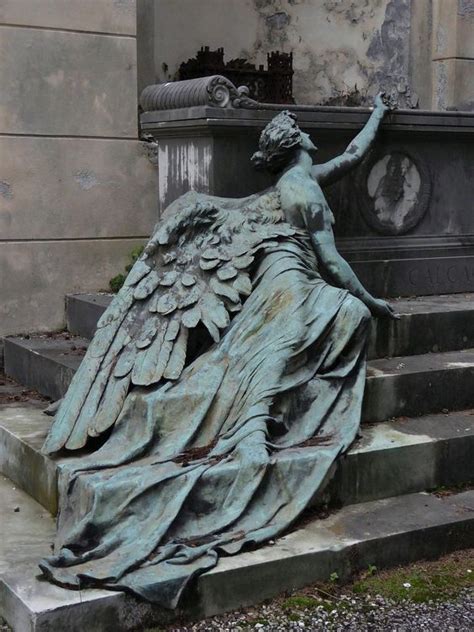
[(224, 358)]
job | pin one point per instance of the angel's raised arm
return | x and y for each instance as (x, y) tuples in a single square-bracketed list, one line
[(334, 169)]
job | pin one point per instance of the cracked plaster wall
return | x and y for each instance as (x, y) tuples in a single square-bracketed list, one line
[(337, 44)]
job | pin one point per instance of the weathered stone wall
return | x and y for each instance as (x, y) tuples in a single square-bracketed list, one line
[(337, 44), (422, 51), (77, 192)]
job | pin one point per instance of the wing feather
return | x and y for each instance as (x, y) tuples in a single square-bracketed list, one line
[(226, 272), (78, 436), (126, 360), (242, 285), (110, 406), (177, 359), (84, 378), (224, 289), (191, 317), (139, 270), (162, 360), (210, 325), (191, 298), (147, 285), (166, 304), (195, 269), (172, 331), (144, 369), (208, 264)]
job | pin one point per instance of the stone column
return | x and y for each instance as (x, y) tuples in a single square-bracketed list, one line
[(77, 191), (453, 55)]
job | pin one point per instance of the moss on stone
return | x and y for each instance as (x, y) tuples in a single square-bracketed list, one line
[(421, 582)]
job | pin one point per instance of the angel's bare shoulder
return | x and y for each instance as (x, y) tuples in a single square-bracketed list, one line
[(299, 194)]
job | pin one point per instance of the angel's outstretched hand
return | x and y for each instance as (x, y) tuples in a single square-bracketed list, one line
[(381, 309), (381, 103)]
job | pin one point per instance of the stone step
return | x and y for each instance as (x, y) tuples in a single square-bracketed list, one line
[(419, 384), (401, 386), (43, 362), (382, 533), (389, 459), (427, 323), (83, 311)]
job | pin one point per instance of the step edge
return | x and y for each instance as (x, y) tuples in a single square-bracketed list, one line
[(14, 340), (47, 493), (341, 560)]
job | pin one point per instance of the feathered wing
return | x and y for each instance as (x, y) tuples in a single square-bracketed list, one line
[(196, 268)]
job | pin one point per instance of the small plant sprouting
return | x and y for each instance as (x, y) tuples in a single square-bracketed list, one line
[(117, 281), (333, 577)]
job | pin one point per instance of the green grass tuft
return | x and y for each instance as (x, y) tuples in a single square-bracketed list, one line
[(117, 281), (300, 602), (419, 583)]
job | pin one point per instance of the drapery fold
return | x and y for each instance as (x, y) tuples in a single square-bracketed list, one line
[(230, 454)]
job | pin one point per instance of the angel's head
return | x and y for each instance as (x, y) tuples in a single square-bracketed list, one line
[(279, 142)]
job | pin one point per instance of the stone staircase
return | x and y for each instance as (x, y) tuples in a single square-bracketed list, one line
[(417, 435)]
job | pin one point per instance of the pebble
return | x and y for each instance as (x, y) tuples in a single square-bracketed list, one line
[(370, 614)]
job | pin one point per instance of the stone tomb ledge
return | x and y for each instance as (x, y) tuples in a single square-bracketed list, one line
[(390, 458), (399, 243), (383, 532)]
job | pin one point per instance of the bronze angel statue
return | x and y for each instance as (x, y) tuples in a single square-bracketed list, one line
[(222, 382)]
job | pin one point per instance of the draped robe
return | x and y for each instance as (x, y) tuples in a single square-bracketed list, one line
[(229, 455)]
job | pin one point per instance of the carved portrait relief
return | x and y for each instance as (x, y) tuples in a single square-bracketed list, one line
[(394, 189)]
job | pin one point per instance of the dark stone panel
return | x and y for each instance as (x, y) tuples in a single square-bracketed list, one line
[(426, 159), (407, 277)]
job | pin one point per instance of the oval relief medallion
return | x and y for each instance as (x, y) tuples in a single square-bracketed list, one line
[(396, 191)]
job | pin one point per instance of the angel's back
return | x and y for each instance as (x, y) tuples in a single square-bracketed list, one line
[(301, 195)]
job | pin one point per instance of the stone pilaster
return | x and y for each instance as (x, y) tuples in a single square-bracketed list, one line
[(453, 55)]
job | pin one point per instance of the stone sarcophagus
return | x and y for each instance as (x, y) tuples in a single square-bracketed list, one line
[(404, 218)]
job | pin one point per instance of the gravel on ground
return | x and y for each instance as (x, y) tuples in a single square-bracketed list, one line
[(424, 596)]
